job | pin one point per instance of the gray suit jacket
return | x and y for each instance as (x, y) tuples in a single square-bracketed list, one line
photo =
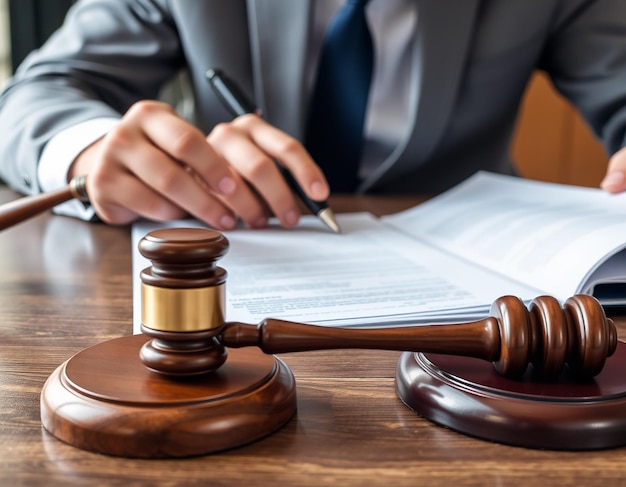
[(473, 59)]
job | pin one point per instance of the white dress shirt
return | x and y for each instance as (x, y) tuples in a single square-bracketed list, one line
[(393, 25)]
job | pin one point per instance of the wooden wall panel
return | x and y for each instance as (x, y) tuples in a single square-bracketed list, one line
[(552, 142)]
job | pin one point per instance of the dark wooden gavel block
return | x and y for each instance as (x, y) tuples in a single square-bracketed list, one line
[(194, 383)]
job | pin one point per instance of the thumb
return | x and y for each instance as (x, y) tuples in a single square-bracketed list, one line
[(615, 179)]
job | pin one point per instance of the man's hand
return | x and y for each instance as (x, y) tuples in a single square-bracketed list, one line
[(156, 165), (615, 179)]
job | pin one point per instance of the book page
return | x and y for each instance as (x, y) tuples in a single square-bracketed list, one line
[(367, 276), (545, 235)]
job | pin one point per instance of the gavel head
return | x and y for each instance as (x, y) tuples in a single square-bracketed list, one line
[(183, 300), (549, 336)]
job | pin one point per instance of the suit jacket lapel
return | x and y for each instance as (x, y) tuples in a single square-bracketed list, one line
[(279, 59), (442, 40)]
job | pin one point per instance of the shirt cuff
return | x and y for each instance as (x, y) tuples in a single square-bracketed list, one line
[(60, 152)]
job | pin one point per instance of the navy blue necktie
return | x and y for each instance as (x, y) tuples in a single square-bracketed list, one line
[(334, 134)]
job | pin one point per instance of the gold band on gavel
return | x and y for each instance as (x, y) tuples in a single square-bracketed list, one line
[(78, 188), (182, 310)]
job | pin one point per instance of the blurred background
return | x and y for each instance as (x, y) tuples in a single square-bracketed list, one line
[(24, 26), (5, 42)]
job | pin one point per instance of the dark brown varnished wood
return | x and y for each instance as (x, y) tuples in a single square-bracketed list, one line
[(60, 295), (105, 400), (187, 342), (546, 336), (20, 209), (183, 258), (566, 414), (170, 392), (183, 262)]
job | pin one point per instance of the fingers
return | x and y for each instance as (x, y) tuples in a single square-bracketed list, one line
[(253, 148), (156, 165), (289, 153), (140, 169), (615, 179), (140, 180), (256, 168), (131, 193), (182, 142)]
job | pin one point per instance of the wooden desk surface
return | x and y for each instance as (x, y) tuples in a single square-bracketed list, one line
[(67, 285)]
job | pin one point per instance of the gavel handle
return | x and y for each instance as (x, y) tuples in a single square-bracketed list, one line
[(546, 335), (479, 339), (21, 209)]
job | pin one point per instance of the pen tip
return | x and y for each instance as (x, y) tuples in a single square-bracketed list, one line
[(328, 217)]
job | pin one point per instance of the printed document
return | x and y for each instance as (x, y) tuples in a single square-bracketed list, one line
[(443, 261)]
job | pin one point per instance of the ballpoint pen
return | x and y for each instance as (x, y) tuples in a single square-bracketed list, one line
[(235, 101)]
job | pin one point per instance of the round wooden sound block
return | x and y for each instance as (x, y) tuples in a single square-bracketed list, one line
[(468, 396), (104, 399)]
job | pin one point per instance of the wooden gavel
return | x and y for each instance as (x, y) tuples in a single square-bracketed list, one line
[(183, 312), (17, 211), (183, 302)]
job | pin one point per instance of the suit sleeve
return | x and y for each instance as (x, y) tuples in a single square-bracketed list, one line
[(107, 55), (586, 59)]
